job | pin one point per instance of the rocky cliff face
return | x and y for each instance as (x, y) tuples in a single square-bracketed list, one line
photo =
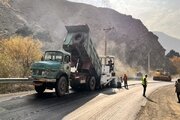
[(128, 38), (9, 22)]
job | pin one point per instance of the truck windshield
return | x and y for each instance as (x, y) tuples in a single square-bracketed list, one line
[(53, 56)]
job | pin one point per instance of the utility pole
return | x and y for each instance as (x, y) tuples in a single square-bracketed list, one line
[(105, 41), (105, 51), (149, 61)]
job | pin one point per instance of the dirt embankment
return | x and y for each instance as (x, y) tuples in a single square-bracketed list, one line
[(162, 105)]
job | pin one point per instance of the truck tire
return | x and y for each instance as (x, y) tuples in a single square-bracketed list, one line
[(40, 89), (61, 86), (91, 83)]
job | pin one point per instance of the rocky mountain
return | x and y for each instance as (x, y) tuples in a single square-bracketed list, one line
[(9, 22), (168, 42), (128, 39)]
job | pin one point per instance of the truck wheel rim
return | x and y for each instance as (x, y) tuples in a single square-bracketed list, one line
[(62, 86)]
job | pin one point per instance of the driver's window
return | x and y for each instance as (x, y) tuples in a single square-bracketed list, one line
[(67, 59)]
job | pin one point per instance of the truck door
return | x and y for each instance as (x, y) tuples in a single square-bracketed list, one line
[(67, 67)]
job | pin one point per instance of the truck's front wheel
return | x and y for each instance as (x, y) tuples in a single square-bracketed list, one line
[(61, 86), (92, 83), (40, 89)]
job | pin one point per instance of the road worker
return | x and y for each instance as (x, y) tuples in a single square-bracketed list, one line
[(111, 65), (125, 81), (144, 84), (177, 85)]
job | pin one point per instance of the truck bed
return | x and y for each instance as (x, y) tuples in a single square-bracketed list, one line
[(79, 44)]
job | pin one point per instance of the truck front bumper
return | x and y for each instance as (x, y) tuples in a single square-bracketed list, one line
[(39, 82)]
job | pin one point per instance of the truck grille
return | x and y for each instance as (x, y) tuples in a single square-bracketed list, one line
[(37, 72)]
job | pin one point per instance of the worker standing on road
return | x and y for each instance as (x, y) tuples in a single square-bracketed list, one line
[(125, 81), (177, 85), (144, 84)]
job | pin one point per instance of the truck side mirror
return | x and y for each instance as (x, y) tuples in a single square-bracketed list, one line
[(67, 59)]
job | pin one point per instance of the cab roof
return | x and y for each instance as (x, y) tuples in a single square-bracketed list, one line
[(62, 51)]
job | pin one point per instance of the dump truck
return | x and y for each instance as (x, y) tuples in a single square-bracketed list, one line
[(84, 58), (161, 75), (77, 66)]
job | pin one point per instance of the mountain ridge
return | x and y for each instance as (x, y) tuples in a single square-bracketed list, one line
[(128, 39), (168, 42)]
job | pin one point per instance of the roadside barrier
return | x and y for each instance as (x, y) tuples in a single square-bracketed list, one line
[(15, 80)]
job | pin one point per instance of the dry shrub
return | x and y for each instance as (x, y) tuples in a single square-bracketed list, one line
[(176, 62), (17, 55)]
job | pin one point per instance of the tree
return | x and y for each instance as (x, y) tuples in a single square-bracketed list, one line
[(6, 65), (19, 53)]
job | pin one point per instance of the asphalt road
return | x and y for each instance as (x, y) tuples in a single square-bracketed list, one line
[(106, 104)]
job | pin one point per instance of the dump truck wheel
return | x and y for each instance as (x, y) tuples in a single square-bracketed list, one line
[(40, 89), (92, 83), (61, 86)]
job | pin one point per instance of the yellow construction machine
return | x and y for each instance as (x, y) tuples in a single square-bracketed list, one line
[(161, 75)]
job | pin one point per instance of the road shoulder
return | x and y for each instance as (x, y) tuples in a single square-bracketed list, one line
[(161, 105)]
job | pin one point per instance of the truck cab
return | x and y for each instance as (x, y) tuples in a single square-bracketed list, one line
[(54, 66)]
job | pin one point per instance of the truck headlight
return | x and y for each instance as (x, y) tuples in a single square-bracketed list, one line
[(44, 73)]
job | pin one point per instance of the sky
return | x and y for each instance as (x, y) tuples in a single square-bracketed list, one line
[(156, 15)]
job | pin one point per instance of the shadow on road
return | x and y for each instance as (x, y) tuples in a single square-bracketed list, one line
[(108, 91), (40, 106)]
